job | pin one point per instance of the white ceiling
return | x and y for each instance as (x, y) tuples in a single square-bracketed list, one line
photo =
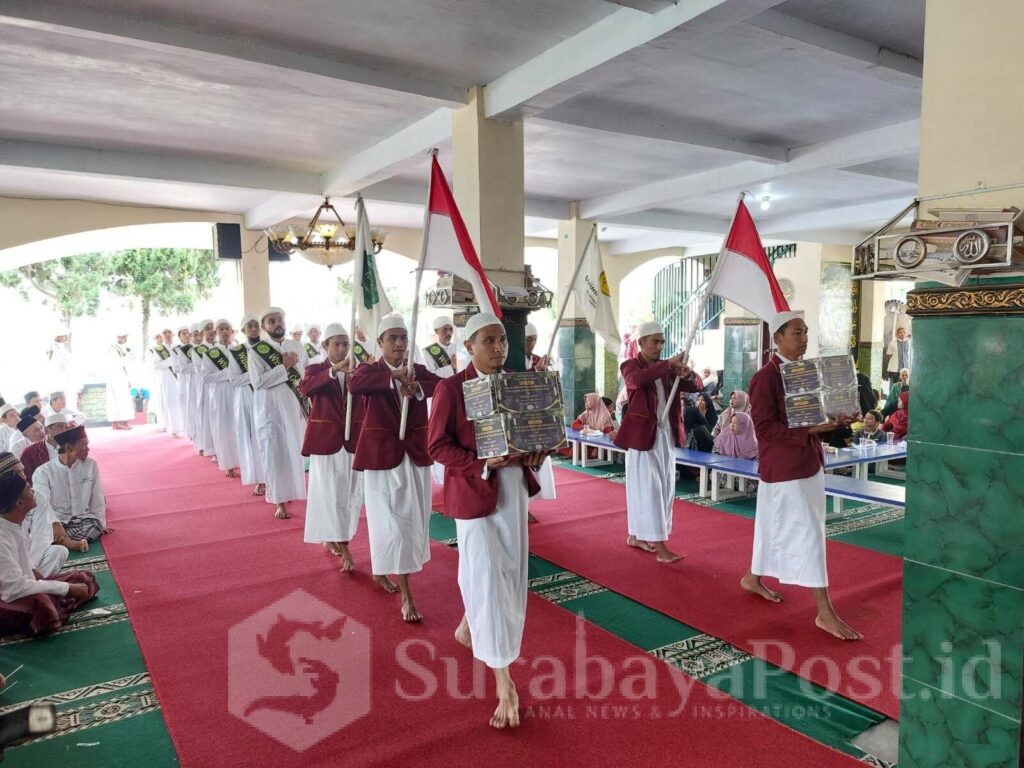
[(655, 121)]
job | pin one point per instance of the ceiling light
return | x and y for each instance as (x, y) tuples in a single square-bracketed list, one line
[(324, 241), (766, 203)]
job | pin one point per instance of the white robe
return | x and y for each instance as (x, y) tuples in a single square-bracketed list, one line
[(246, 444), (651, 482), (335, 498), (398, 517), (170, 401), (62, 376), (220, 411), (186, 375), (120, 406), (46, 557), (71, 492), (444, 371), (70, 414), (7, 434), (789, 531), (280, 423), (16, 577), (18, 444), (493, 564), (201, 394)]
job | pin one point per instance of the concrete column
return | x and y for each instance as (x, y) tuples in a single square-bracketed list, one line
[(963, 589), (254, 272), (488, 187), (576, 345)]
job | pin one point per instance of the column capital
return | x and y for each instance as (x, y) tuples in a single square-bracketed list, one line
[(974, 300)]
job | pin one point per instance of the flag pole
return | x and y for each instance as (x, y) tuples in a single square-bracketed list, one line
[(416, 295), (569, 290), (356, 267), (705, 298)]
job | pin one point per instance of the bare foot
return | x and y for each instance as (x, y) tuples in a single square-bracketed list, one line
[(506, 715), (531, 518), (837, 627), (260, 490), (82, 545), (333, 547), (646, 546), (347, 563), (462, 633), (231, 473), (282, 512), (409, 612), (666, 555), (386, 584), (753, 584)]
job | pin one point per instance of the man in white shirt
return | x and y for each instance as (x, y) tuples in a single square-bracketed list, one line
[(245, 418), (29, 431), (220, 401), (58, 403), (203, 441), (440, 357), (8, 425), (120, 406), (71, 485), (164, 361), (62, 373), (276, 366), (29, 604), (313, 352)]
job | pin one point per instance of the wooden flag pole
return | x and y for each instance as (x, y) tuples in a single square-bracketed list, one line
[(705, 298), (569, 289), (416, 296), (357, 289)]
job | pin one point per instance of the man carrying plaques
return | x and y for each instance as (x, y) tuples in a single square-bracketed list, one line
[(489, 500), (789, 529)]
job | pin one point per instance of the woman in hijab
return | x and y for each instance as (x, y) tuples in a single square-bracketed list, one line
[(739, 402), (698, 436), (738, 440), (595, 416), (703, 401), (899, 422)]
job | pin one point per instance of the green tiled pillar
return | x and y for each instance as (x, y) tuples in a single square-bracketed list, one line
[(742, 353), (963, 591), (577, 356)]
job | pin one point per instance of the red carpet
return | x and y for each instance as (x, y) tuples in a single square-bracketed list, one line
[(584, 531), (194, 556)]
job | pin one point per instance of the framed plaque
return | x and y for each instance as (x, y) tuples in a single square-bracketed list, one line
[(528, 391), (490, 437), (819, 389), (531, 432), (805, 410), (800, 376), (478, 394), (515, 412)]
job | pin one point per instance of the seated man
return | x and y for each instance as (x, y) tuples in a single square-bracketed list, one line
[(59, 404), (71, 486), (30, 605), (29, 431), (8, 425), (39, 453)]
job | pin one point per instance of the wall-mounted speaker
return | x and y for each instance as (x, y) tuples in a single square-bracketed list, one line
[(227, 241)]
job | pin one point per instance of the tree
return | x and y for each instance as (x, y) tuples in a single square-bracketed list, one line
[(165, 279), (70, 285)]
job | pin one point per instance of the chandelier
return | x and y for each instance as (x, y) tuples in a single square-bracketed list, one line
[(323, 240)]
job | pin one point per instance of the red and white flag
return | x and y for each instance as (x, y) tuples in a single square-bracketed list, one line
[(449, 247), (743, 274)]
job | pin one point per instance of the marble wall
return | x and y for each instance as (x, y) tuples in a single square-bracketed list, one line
[(576, 350)]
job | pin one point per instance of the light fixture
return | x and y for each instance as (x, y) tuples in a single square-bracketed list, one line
[(766, 202), (323, 240)]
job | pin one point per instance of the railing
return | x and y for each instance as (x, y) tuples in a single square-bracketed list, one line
[(677, 296)]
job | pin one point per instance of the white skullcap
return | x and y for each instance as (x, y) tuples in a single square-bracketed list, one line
[(184, 327), (296, 327), (204, 323), (531, 329), (333, 329), (221, 322), (316, 326), (390, 321), (650, 329), (194, 327), (5, 408), (271, 311), (55, 418), (779, 319), (250, 317), (478, 321), (442, 321)]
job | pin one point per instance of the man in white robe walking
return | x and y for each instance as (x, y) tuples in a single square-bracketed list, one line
[(220, 408), (247, 445), (120, 406)]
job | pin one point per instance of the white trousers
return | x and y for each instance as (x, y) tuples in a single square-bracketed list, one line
[(789, 531), (52, 560), (398, 517), (546, 478), (493, 558), (334, 498), (650, 488)]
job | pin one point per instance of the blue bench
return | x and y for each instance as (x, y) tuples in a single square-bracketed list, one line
[(579, 442), (870, 491)]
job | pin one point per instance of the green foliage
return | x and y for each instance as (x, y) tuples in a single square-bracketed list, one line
[(70, 285), (170, 280)]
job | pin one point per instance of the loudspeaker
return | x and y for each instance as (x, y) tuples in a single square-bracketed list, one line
[(227, 241)]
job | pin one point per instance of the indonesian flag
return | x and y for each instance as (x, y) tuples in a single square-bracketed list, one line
[(449, 247), (743, 274), (370, 303), (591, 288)]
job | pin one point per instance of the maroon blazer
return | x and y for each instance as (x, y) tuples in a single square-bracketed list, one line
[(783, 453), (325, 427), (34, 457), (640, 424), (378, 446), (452, 441)]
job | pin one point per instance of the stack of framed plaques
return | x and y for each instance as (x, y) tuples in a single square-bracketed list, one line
[(819, 389), (515, 412)]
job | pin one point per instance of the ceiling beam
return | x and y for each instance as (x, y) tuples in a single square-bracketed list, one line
[(867, 214), (139, 166), (856, 149), (714, 226), (842, 49), (409, 193), (544, 81), (643, 126), (128, 28)]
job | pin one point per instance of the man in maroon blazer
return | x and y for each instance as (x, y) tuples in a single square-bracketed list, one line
[(489, 500), (789, 528), (335, 493), (39, 453), (650, 439), (396, 473)]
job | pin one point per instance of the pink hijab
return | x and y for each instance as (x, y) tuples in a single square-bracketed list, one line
[(742, 444), (596, 415)]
